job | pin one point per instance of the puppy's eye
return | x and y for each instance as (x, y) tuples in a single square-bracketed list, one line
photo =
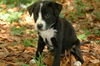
[(47, 15)]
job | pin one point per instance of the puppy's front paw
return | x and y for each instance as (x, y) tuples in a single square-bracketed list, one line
[(77, 63), (33, 61)]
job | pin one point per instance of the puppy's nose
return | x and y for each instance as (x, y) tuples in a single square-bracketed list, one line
[(40, 26)]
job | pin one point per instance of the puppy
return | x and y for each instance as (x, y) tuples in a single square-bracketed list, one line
[(55, 32)]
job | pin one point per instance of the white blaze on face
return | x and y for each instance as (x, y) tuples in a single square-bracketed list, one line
[(40, 19), (32, 15)]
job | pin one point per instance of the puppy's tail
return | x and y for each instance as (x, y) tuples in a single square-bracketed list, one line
[(86, 42)]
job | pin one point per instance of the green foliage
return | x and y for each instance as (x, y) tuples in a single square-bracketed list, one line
[(31, 32), (39, 62), (27, 42), (97, 0), (97, 15), (25, 65), (16, 3), (84, 36), (79, 5), (14, 16), (10, 6), (73, 15), (96, 31), (61, 15), (34, 39), (98, 42), (79, 10), (1, 8), (17, 31), (87, 32), (1, 2)]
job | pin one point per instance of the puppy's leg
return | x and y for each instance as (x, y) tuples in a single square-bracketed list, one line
[(77, 53), (57, 53), (40, 47), (57, 43)]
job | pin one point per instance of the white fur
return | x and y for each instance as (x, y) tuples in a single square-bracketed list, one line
[(33, 61), (32, 15), (48, 34), (40, 19), (77, 63)]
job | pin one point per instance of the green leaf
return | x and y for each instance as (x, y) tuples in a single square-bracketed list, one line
[(14, 17), (25, 65), (82, 36), (17, 31), (27, 42)]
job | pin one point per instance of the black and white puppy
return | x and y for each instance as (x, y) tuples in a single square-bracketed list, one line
[(55, 32)]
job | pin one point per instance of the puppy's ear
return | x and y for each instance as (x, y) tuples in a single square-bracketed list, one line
[(56, 8), (31, 8)]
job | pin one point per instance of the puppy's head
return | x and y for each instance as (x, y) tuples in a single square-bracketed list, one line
[(44, 13)]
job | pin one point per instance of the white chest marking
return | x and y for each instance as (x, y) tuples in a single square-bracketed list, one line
[(48, 34)]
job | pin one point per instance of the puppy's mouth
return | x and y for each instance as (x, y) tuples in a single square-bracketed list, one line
[(44, 28), (40, 29)]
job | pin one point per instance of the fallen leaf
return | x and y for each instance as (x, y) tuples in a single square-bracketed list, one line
[(30, 49), (95, 61), (2, 64), (3, 6)]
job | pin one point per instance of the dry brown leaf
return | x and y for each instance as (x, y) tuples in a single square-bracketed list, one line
[(30, 49), (13, 9), (65, 61), (3, 6), (48, 60), (2, 64), (3, 53), (95, 61), (19, 47), (4, 36)]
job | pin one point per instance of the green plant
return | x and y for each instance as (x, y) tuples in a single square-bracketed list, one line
[(97, 0), (34, 39), (62, 15), (10, 6), (73, 15), (97, 14), (31, 32), (79, 5), (84, 36), (15, 16), (98, 42), (18, 2), (25, 65), (17, 31), (96, 31), (27, 42), (39, 62)]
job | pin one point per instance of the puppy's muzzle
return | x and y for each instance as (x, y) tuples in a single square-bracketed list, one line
[(39, 26)]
